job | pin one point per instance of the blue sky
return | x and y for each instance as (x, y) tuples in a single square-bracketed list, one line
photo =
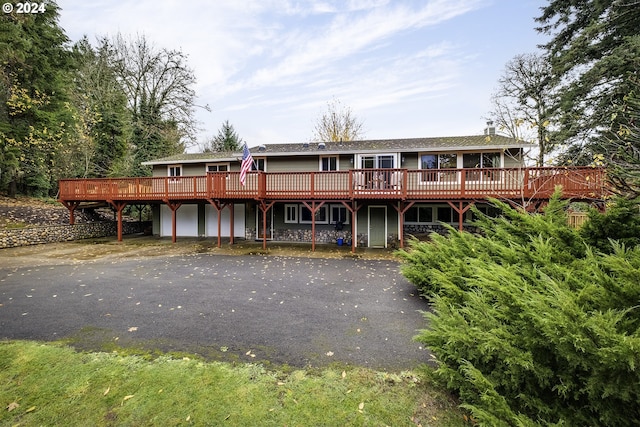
[(406, 68)]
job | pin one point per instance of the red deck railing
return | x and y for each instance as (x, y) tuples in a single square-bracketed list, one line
[(390, 184)]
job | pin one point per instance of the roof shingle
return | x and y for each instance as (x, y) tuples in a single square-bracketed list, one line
[(448, 143)]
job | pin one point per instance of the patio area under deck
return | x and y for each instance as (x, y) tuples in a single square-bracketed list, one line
[(458, 187)]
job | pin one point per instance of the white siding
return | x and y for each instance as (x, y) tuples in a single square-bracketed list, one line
[(211, 222), (186, 221)]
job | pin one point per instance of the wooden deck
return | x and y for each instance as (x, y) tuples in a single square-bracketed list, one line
[(459, 188), (366, 184)]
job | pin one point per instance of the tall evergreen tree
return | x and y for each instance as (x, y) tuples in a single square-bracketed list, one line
[(620, 146), (595, 54), (34, 118), (226, 140)]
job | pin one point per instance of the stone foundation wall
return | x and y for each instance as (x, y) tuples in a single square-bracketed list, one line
[(322, 236), (10, 238), (422, 231)]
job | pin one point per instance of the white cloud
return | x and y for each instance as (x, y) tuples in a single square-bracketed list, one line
[(310, 50), (270, 66)]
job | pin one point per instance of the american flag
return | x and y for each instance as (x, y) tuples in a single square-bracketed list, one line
[(247, 162)]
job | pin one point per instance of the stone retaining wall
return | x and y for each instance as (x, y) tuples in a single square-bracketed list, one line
[(10, 238)]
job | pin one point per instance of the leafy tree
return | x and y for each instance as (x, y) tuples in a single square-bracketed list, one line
[(531, 325), (159, 89), (594, 52), (34, 117), (102, 119), (525, 99), (226, 140), (338, 123)]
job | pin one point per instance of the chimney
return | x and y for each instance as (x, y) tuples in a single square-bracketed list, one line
[(490, 130)]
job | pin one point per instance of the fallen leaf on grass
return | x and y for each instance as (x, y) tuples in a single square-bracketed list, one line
[(12, 406), (344, 374), (106, 391), (127, 397), (33, 408)]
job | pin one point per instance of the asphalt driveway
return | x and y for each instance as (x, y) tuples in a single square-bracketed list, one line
[(252, 308)]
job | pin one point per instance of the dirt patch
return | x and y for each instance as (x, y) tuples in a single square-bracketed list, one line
[(137, 247), (28, 212)]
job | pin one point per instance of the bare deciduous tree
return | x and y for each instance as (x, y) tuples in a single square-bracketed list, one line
[(338, 123), (523, 106), (159, 88), (158, 80)]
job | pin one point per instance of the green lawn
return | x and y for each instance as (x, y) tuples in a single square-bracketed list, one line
[(50, 384)]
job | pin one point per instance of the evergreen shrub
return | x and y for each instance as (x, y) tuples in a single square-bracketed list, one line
[(530, 324), (621, 222)]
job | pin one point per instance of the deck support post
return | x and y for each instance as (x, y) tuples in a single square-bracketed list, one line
[(313, 208), (231, 222), (219, 207), (72, 210), (353, 209), (174, 208), (402, 209), (118, 206), (140, 208), (461, 209), (264, 207)]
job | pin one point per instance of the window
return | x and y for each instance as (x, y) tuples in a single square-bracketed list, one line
[(368, 163), (259, 164), (481, 160), (328, 163), (321, 215), (490, 160), (220, 167), (339, 214), (448, 161), (174, 170), (385, 162), (447, 214), (471, 160), (432, 162), (290, 214), (419, 214), (488, 210), (380, 161)]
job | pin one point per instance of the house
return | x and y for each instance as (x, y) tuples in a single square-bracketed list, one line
[(370, 193)]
